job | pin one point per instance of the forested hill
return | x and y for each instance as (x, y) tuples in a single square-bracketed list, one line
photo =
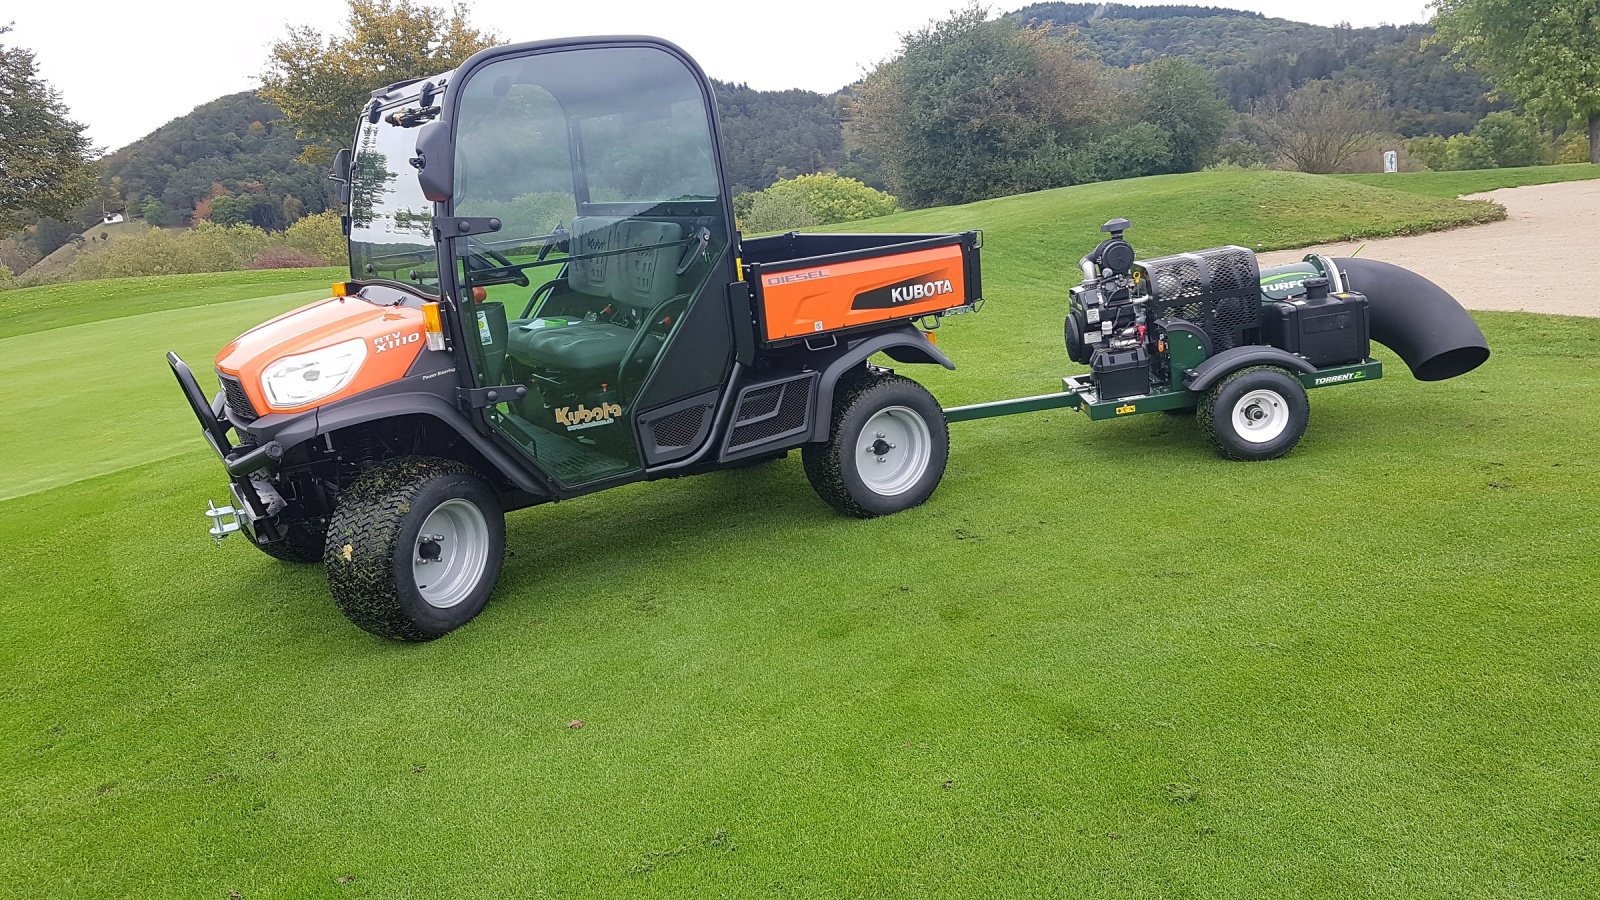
[(238, 142), (1257, 59), (239, 146)]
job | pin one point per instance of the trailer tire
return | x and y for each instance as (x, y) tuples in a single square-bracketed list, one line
[(1256, 413), (377, 546), (881, 420), (301, 543)]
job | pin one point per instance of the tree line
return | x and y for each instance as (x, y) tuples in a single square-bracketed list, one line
[(969, 107)]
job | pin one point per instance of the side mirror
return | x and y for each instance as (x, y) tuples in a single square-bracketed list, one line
[(341, 165), (435, 161)]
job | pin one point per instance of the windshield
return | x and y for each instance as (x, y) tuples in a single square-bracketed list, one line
[(554, 144), (391, 230)]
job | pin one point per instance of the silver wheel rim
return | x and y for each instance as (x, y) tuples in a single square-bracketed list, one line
[(450, 554), (893, 451), (1260, 416)]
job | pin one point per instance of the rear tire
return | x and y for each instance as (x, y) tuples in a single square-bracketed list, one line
[(302, 543), (414, 548), (886, 450), (1255, 413)]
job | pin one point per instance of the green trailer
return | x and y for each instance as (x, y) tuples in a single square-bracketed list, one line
[(1208, 333)]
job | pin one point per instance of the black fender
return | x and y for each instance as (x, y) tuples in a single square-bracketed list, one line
[(388, 405), (1213, 370), (905, 344)]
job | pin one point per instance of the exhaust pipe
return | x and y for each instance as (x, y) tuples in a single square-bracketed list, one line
[(1416, 319)]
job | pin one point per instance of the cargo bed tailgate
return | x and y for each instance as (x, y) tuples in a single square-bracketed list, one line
[(810, 284)]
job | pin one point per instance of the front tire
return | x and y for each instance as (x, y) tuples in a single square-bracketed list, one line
[(1255, 413), (886, 450), (414, 548)]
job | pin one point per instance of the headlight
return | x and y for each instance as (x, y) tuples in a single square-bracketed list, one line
[(299, 379)]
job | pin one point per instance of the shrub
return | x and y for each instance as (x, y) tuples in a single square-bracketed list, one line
[(207, 247), (1510, 140), (1139, 149), (1572, 148), (7, 280), (807, 200), (770, 212), (320, 236), (281, 257)]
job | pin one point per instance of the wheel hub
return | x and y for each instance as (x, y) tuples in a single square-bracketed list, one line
[(1260, 416), (451, 553), (895, 452)]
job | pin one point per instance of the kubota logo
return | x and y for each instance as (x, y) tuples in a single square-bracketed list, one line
[(922, 287), (587, 416), (395, 339), (920, 291)]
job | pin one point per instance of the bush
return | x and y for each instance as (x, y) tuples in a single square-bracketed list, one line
[(7, 280), (1499, 140), (1510, 140), (205, 248), (284, 258), (1572, 148), (1240, 154), (320, 236), (1139, 149), (768, 212), (808, 200)]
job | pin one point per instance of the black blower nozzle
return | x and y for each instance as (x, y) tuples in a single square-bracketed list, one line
[(1416, 319)]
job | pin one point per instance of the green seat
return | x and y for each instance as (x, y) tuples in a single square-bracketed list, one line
[(632, 283), (576, 347)]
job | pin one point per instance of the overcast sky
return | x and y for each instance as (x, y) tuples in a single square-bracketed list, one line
[(127, 67)]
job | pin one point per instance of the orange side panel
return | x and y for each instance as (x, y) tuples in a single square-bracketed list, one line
[(829, 297), (393, 335)]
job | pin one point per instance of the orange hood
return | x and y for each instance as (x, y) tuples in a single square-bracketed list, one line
[(393, 334)]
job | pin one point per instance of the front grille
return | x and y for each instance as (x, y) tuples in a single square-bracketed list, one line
[(238, 400)]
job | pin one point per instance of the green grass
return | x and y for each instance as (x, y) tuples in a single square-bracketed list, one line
[(1099, 663), (28, 310), (1262, 210), (1457, 184)]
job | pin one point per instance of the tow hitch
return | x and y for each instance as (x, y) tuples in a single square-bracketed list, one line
[(224, 520)]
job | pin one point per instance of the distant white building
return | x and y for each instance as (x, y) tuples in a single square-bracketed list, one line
[(111, 218)]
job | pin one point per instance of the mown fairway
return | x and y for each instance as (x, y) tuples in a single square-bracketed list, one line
[(1100, 662)]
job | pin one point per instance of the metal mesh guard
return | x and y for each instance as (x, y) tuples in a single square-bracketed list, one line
[(1218, 289)]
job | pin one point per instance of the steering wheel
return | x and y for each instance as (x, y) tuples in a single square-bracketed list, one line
[(650, 325), (505, 266)]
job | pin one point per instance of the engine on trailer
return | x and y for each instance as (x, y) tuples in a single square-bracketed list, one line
[(1139, 324)]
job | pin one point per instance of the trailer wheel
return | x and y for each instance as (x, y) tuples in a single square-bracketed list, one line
[(414, 548), (886, 450), (302, 542), (1256, 413)]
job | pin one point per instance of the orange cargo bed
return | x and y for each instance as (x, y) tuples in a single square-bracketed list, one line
[(811, 284)]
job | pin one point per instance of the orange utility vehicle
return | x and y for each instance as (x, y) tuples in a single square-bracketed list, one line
[(548, 298)]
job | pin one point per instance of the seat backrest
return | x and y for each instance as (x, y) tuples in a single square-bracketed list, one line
[(593, 235), (646, 274)]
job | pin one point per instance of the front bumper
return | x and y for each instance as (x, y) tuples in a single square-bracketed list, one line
[(241, 461)]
